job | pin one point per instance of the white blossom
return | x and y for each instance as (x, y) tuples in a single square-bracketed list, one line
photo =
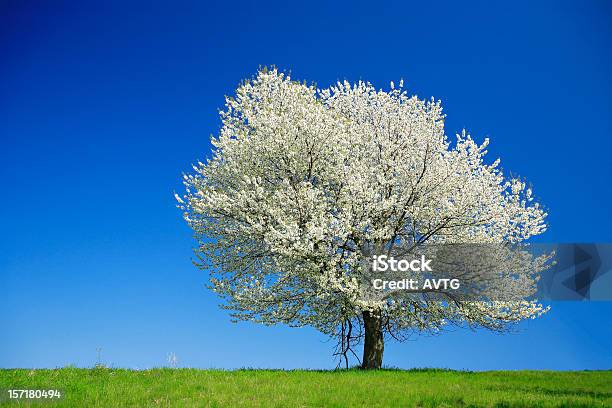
[(303, 179)]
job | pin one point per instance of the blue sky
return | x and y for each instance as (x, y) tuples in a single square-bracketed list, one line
[(104, 105)]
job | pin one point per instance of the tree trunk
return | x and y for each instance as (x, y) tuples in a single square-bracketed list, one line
[(374, 344)]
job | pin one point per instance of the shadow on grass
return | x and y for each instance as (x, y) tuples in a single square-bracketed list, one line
[(355, 369), (552, 393)]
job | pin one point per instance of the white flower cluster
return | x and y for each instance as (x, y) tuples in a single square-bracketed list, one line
[(305, 181)]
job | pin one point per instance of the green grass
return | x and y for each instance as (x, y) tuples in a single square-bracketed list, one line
[(107, 387)]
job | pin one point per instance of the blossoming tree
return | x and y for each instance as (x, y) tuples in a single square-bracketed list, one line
[(302, 180)]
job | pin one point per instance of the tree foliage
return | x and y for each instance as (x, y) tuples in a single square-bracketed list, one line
[(304, 182)]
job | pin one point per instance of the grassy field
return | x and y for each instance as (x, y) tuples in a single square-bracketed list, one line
[(107, 387)]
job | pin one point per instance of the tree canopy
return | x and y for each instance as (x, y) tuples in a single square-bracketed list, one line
[(304, 183)]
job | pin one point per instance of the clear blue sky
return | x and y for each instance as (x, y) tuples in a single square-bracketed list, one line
[(103, 106)]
